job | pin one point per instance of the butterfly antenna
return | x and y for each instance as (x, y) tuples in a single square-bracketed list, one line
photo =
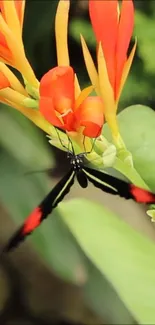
[(87, 152), (38, 171), (84, 147), (70, 143), (63, 145), (93, 145)]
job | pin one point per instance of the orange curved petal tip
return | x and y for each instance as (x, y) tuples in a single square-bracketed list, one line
[(58, 84), (90, 115), (4, 82), (48, 111)]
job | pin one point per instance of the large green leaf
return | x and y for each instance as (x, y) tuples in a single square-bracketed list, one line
[(100, 295), (62, 251), (124, 256), (137, 128)]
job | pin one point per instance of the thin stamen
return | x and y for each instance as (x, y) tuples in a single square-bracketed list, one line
[(64, 114)]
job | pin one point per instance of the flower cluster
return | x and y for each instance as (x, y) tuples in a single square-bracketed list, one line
[(57, 100)]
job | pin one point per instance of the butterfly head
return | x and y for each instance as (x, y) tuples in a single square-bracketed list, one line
[(76, 161)]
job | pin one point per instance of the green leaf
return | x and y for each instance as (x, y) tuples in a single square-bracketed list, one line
[(103, 299), (137, 128), (62, 251), (125, 257)]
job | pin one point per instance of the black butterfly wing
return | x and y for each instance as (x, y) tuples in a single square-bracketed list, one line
[(115, 186), (42, 211)]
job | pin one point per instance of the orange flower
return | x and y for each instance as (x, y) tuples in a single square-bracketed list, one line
[(113, 30), (59, 106), (11, 45)]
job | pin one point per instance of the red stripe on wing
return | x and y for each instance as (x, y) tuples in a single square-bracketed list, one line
[(141, 195), (33, 221)]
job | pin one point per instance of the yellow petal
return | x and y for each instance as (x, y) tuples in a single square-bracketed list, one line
[(19, 60), (83, 95), (35, 117), (32, 115), (4, 61), (22, 12), (12, 18), (25, 69), (92, 72), (113, 125), (14, 82), (126, 70), (107, 94), (12, 95), (61, 30), (2, 100), (118, 11), (11, 40), (77, 87), (106, 90)]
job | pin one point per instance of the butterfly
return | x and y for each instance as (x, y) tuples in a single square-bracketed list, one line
[(84, 175)]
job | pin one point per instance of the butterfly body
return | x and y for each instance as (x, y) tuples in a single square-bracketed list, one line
[(104, 181), (77, 162)]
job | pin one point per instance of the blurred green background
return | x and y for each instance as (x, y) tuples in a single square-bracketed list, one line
[(50, 280)]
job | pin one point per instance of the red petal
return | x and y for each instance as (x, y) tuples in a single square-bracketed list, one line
[(70, 122), (90, 115), (125, 31), (104, 19), (58, 83), (47, 110), (4, 82), (91, 130)]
